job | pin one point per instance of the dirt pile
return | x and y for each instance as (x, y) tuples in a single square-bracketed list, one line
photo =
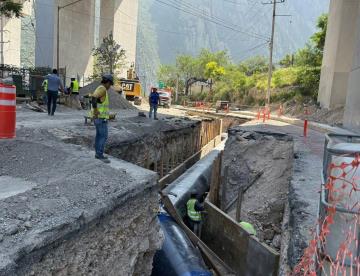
[(261, 165), (117, 101), (332, 117)]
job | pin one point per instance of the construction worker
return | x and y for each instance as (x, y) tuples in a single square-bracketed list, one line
[(154, 101), (44, 85), (101, 115), (194, 209), (248, 227), (74, 93), (54, 85)]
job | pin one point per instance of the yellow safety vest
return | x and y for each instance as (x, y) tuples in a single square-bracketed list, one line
[(104, 111), (248, 227), (45, 85), (192, 214), (75, 86)]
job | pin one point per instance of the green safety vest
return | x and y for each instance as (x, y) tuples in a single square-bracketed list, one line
[(104, 111), (45, 85), (75, 87), (192, 214), (248, 227)]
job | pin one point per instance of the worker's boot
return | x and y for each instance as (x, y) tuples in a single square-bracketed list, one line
[(103, 159)]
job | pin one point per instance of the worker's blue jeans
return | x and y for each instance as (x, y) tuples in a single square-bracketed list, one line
[(153, 107), (51, 99), (101, 136)]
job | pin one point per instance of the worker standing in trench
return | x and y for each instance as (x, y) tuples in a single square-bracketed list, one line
[(101, 115), (194, 209)]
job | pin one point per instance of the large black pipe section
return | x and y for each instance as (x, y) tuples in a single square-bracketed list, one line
[(196, 179), (178, 256)]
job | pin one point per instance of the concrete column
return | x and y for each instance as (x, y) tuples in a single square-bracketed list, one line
[(120, 17), (107, 8), (338, 53), (77, 29), (45, 15), (352, 107)]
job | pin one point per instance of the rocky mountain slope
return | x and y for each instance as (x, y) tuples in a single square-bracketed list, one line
[(178, 26)]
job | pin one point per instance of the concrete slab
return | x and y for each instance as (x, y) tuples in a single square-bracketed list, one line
[(10, 186), (62, 199)]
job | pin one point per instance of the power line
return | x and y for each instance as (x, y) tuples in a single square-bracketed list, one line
[(210, 19)]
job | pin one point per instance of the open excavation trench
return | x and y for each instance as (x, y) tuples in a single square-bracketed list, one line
[(258, 164), (257, 167), (158, 148)]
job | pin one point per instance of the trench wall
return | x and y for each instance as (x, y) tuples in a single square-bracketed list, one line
[(163, 151)]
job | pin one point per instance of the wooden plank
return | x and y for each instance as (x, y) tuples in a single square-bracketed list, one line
[(238, 204), (224, 179), (217, 264)]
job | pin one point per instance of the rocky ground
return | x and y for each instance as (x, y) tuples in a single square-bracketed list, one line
[(65, 213), (261, 165)]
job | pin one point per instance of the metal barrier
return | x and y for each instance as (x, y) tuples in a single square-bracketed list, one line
[(340, 150)]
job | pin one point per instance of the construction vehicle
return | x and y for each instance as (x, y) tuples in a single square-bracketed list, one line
[(131, 86)]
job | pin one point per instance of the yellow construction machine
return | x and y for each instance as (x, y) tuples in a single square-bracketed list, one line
[(131, 86)]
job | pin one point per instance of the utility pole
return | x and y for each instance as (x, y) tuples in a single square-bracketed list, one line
[(177, 89), (59, 8), (268, 93)]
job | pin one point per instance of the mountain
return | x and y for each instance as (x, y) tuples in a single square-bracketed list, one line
[(242, 27)]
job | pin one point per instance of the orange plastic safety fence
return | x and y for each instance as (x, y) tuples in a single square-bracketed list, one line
[(341, 186)]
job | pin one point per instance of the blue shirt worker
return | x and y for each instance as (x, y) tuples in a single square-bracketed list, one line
[(154, 101), (54, 84), (101, 115)]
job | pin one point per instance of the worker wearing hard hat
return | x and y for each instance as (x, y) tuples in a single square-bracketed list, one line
[(74, 93), (248, 227), (194, 209), (101, 115)]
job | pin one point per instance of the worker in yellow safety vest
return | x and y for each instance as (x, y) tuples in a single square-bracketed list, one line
[(101, 114), (194, 209), (74, 93), (45, 88), (248, 227)]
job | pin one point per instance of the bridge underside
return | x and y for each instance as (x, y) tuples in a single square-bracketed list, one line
[(82, 26)]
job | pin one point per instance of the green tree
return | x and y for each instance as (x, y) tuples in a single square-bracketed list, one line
[(253, 65), (168, 74), (109, 57), (319, 37), (10, 8), (287, 61), (214, 71)]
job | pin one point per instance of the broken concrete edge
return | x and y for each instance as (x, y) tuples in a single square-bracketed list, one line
[(57, 228), (293, 121)]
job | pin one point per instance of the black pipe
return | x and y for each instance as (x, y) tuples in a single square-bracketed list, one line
[(178, 256)]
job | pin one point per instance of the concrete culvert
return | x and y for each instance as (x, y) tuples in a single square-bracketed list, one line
[(261, 165)]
